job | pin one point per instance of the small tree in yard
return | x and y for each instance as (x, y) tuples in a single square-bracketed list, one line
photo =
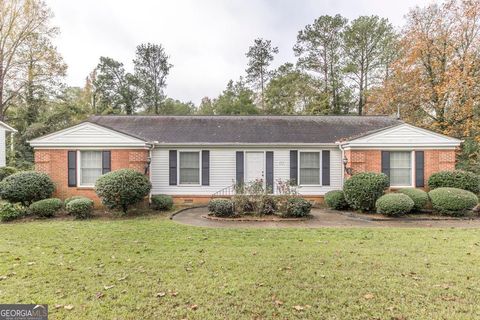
[(122, 188)]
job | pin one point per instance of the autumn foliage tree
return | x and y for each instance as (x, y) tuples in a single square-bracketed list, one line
[(434, 81)]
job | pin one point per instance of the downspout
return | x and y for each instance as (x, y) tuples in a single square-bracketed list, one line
[(343, 157), (149, 164)]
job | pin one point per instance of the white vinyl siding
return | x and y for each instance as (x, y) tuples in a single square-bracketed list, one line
[(223, 168), (90, 167), (400, 168), (189, 167), (309, 167)]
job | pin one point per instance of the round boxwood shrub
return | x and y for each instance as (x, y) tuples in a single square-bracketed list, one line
[(336, 200), (11, 211), (7, 171), (122, 188), (26, 187), (162, 202), (394, 204), (452, 201), (81, 208), (298, 207), (46, 208), (419, 197), (363, 190), (455, 179), (221, 207), (72, 198)]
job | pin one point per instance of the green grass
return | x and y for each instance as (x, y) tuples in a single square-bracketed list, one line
[(239, 273)]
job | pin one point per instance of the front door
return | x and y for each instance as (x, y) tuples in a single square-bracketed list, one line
[(254, 166)]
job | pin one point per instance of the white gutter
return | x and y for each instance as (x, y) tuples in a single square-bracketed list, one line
[(150, 153)]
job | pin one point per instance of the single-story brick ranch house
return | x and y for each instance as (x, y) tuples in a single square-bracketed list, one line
[(195, 157)]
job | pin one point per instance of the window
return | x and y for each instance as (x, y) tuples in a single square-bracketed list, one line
[(90, 167), (309, 168), (401, 168), (189, 168)]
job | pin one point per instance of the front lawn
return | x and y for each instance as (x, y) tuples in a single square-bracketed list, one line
[(153, 268)]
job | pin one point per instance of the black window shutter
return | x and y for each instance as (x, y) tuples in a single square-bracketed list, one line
[(386, 163), (205, 167), (293, 167), (72, 168), (106, 162), (239, 171), (269, 171), (325, 167), (172, 167), (419, 169)]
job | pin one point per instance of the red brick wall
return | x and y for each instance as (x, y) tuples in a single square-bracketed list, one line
[(54, 163), (371, 161)]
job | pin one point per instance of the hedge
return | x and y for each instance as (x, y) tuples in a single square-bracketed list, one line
[(162, 202), (298, 207), (394, 204), (419, 197), (7, 171), (455, 179), (336, 200), (221, 207), (363, 190), (26, 187), (11, 211), (46, 208), (80, 208), (122, 188), (452, 201)]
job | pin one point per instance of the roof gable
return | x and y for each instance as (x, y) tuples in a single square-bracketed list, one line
[(86, 134), (403, 135)]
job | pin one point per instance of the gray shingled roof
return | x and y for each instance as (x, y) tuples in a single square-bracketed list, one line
[(245, 129)]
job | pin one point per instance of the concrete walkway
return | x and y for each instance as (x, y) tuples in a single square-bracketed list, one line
[(321, 218)]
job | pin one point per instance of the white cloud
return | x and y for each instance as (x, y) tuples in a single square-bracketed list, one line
[(206, 40)]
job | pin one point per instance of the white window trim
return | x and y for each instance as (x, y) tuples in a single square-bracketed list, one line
[(79, 168), (319, 169), (199, 169), (412, 169)]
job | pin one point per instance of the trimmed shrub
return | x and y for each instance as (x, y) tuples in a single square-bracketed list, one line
[(7, 171), (419, 197), (67, 201), (46, 208), (267, 205), (452, 201), (221, 207), (26, 187), (11, 211), (80, 208), (363, 190), (243, 204), (336, 200), (122, 188), (394, 204), (298, 207), (162, 202), (455, 179)]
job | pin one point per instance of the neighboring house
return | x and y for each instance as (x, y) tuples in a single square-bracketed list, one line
[(195, 157), (4, 128)]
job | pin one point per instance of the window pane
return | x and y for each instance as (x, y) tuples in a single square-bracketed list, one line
[(400, 169), (189, 168), (309, 168), (90, 167)]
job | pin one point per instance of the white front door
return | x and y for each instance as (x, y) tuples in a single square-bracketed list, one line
[(254, 166)]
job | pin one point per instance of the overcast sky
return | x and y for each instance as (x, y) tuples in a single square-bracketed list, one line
[(206, 39)]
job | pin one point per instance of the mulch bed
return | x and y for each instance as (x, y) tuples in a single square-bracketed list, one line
[(255, 218)]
